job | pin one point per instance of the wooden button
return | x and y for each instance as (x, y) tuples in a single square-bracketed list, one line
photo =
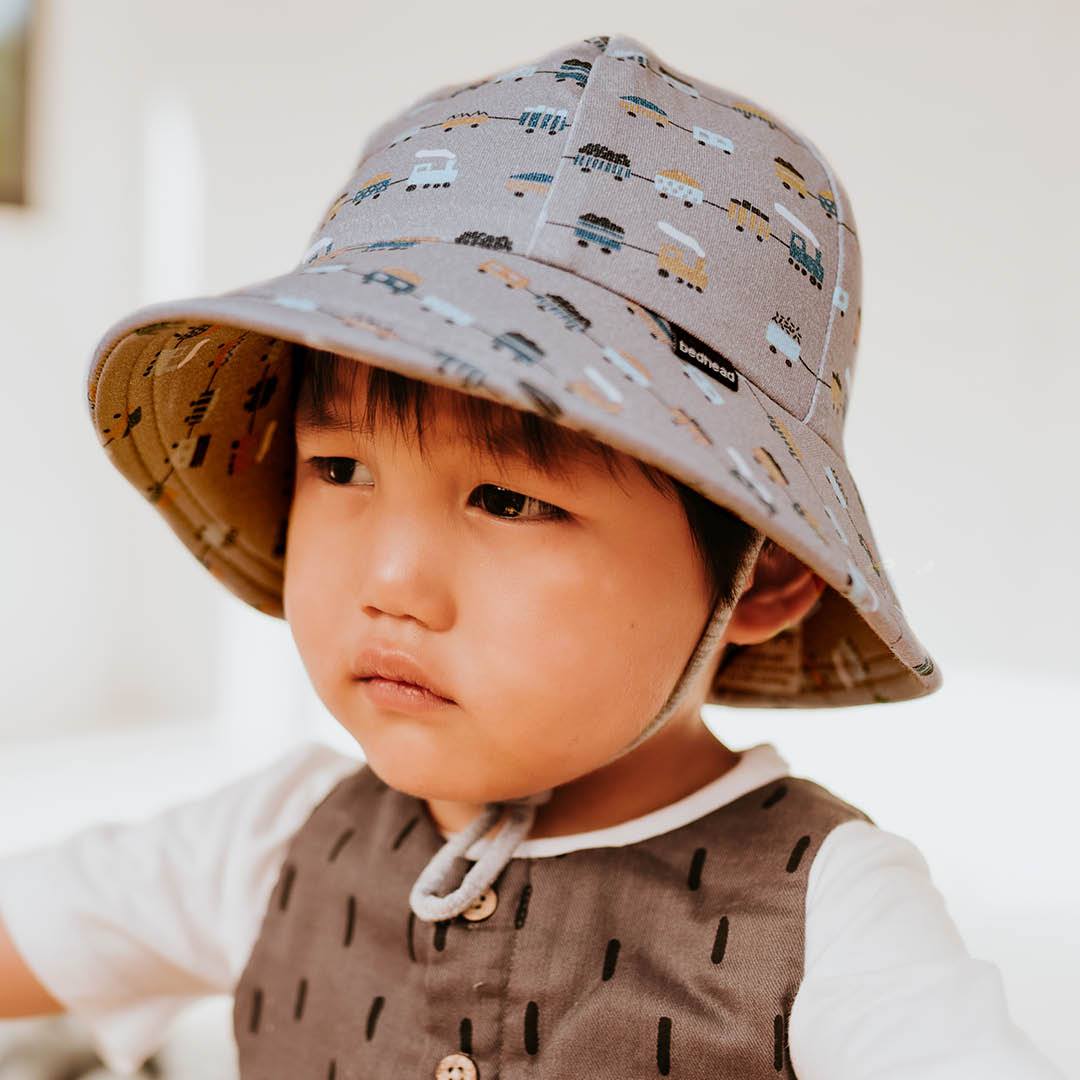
[(456, 1067), (482, 906)]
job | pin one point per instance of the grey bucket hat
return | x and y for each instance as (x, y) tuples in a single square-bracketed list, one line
[(592, 236)]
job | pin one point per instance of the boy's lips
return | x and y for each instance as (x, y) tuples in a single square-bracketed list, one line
[(385, 663)]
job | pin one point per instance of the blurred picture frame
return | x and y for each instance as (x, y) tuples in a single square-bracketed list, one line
[(15, 21)]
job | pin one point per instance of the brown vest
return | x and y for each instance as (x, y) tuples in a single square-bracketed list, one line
[(678, 955)]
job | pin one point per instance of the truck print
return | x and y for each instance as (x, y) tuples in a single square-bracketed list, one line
[(295, 303), (372, 326), (397, 279), (781, 429), (676, 83), (790, 177), (543, 118), (705, 383), (517, 74), (450, 312), (681, 418), (705, 137), (671, 259), (575, 69), (322, 247), (801, 260), (331, 212), (744, 474), (659, 328), (404, 136), (634, 55), (836, 393), (529, 183), (600, 230), (603, 159), (632, 105), (834, 483), (566, 311), (858, 591), (810, 520), (835, 522), (511, 278), (770, 465), (630, 366), (430, 173), (524, 349), (597, 390), (869, 554), (678, 184), (373, 188), (752, 112)]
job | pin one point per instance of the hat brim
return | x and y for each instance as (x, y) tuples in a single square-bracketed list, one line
[(189, 398)]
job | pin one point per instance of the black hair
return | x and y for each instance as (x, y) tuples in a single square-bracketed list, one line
[(722, 539)]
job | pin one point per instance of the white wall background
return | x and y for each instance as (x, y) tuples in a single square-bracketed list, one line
[(186, 149)]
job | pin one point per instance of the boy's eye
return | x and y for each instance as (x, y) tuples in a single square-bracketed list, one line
[(336, 471), (499, 501), (495, 499)]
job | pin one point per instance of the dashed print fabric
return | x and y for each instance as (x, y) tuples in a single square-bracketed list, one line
[(679, 955), (594, 237)]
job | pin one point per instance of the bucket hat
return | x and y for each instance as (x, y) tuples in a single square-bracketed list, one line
[(593, 236)]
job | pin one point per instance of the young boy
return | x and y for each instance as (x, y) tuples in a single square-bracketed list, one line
[(538, 450)]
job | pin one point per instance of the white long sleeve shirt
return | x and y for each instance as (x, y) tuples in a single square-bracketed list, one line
[(126, 924)]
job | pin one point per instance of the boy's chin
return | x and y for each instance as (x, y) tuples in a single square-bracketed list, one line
[(442, 776)]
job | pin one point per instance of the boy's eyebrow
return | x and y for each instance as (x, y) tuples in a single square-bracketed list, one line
[(505, 441), (327, 418)]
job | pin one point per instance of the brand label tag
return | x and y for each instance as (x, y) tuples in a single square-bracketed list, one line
[(687, 346)]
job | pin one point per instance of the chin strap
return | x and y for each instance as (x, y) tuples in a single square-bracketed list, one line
[(521, 812), (424, 898)]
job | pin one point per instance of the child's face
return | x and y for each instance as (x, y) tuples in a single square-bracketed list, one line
[(557, 639)]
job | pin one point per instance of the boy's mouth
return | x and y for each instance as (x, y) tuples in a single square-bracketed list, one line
[(397, 692), (395, 668)]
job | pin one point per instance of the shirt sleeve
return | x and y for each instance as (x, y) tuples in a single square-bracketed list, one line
[(889, 990), (126, 924)]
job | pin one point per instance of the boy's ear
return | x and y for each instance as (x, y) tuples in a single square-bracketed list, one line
[(782, 590)]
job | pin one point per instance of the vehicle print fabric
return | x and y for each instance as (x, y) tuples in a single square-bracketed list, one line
[(592, 236)]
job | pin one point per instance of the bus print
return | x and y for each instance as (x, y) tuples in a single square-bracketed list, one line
[(705, 137), (597, 390)]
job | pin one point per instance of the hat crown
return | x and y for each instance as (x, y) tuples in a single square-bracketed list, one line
[(692, 201)]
